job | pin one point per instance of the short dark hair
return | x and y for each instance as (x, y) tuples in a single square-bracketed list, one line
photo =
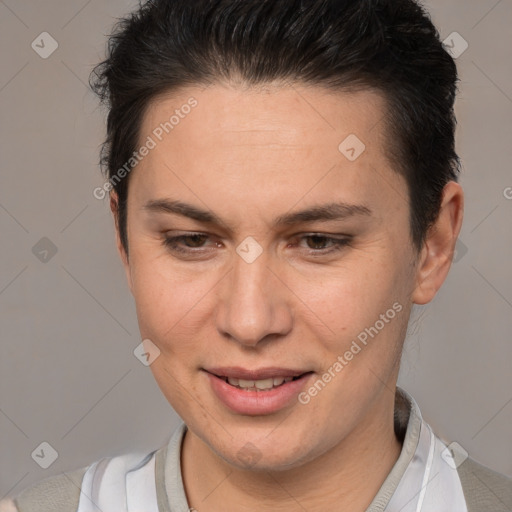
[(390, 46)]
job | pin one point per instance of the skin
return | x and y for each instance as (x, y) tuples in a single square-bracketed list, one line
[(250, 155)]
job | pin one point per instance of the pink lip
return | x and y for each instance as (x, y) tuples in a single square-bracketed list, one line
[(254, 403)]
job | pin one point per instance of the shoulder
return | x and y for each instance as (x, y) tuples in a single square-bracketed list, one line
[(62, 492), (59, 493), (7, 505), (485, 489)]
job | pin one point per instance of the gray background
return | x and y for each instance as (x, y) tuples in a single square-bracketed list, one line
[(68, 375)]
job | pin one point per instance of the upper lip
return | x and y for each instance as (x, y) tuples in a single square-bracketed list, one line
[(238, 372)]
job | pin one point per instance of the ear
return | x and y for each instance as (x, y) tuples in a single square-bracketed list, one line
[(114, 207), (437, 253)]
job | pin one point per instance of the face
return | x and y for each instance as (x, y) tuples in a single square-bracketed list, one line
[(259, 248)]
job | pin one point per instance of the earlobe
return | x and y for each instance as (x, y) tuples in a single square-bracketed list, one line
[(114, 206), (436, 255)]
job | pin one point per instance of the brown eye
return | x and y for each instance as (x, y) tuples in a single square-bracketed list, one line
[(196, 240), (318, 244), (191, 243)]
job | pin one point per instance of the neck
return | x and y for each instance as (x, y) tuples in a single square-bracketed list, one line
[(346, 477)]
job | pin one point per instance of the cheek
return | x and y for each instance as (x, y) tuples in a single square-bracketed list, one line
[(353, 296), (166, 299)]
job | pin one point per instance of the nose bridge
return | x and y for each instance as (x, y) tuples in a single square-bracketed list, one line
[(252, 305)]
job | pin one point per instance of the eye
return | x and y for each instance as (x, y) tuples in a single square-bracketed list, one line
[(189, 243), (319, 244), (196, 244)]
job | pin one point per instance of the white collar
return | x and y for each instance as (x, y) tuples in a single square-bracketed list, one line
[(424, 478)]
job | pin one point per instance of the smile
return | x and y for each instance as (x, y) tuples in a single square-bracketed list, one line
[(258, 385), (256, 392)]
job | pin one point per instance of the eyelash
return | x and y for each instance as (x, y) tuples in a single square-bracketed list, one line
[(337, 244)]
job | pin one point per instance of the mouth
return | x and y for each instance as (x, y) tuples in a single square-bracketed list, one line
[(255, 392), (259, 384), (257, 380)]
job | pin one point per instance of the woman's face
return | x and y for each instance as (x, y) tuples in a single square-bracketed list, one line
[(295, 262)]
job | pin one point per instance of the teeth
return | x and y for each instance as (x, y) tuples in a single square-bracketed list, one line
[(277, 381), (262, 384), (246, 383)]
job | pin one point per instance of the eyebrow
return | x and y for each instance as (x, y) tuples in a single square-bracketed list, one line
[(320, 213)]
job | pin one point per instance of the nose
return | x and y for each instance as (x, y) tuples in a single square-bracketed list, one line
[(254, 304)]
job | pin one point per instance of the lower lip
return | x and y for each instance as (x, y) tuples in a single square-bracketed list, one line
[(257, 402)]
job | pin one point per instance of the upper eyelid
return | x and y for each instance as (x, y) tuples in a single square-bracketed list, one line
[(327, 236)]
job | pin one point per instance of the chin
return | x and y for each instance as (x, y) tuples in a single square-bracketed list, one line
[(251, 458), (257, 451)]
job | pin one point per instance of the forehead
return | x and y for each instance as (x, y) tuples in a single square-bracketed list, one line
[(301, 141), (297, 115)]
